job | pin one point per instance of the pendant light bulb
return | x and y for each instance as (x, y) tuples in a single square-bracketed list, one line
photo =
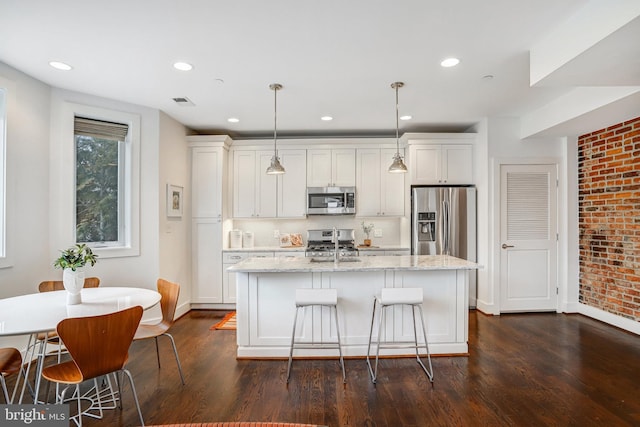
[(397, 166), (275, 168)]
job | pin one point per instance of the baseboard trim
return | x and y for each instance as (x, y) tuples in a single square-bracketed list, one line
[(609, 318)]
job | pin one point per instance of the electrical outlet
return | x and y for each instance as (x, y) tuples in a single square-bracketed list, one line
[(276, 233), (377, 232)]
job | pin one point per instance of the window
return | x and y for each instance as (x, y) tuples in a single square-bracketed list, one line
[(100, 177), (97, 158)]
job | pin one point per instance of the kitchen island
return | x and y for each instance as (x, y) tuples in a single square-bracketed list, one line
[(266, 293)]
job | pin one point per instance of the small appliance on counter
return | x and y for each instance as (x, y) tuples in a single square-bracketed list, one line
[(235, 239), (247, 239), (320, 243)]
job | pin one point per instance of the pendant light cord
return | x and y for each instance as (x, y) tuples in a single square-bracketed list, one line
[(275, 118), (397, 123)]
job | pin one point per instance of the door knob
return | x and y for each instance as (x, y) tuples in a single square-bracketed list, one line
[(505, 246)]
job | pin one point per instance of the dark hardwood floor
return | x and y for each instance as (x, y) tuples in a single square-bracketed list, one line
[(541, 369)]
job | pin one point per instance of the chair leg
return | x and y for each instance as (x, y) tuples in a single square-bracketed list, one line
[(157, 351), (4, 390), (293, 336), (373, 315), (426, 345), (175, 352), (344, 375), (135, 395)]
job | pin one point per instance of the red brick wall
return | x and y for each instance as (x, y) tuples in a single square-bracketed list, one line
[(609, 219)]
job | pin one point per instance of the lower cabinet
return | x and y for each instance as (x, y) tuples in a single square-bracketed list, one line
[(228, 278), (207, 266)]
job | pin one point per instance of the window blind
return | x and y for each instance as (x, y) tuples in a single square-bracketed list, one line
[(100, 129)]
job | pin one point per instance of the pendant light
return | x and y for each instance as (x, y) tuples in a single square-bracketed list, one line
[(275, 168), (398, 165)]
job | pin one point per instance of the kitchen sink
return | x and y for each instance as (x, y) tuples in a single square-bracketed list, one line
[(330, 259)]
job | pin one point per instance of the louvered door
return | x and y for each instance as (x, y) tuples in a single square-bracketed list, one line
[(528, 230)]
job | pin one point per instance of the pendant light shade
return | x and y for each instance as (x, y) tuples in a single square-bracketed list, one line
[(398, 165), (275, 168)]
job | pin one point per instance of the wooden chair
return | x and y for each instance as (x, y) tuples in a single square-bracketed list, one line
[(168, 302), (10, 363), (98, 346), (56, 285)]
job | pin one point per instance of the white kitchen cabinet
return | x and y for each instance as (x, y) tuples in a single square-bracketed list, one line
[(331, 167), (292, 185), (209, 159), (206, 238), (441, 164), (229, 278), (207, 180), (254, 192), (379, 193)]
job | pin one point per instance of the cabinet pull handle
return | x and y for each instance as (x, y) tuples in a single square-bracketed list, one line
[(505, 246)]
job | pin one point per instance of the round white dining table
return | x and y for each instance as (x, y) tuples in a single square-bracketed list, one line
[(41, 312)]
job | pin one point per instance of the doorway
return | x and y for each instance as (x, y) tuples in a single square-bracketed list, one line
[(528, 237)]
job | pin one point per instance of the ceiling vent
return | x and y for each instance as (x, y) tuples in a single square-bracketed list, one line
[(183, 101)]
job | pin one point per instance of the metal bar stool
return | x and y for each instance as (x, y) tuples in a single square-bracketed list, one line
[(390, 297), (316, 297)]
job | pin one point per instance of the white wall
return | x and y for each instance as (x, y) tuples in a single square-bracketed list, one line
[(34, 173), (27, 175), (27, 161), (139, 271), (175, 233), (504, 143)]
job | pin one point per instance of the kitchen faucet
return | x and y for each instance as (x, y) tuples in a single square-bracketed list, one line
[(335, 240)]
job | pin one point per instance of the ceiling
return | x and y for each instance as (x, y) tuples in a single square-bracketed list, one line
[(335, 58)]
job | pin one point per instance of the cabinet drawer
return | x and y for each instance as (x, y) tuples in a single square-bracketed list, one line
[(234, 257)]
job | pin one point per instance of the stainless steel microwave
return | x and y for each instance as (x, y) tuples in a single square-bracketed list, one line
[(331, 200)]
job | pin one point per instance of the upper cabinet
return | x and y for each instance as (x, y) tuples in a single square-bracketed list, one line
[(208, 176), (292, 185), (258, 195), (379, 193), (254, 192), (331, 167), (450, 163)]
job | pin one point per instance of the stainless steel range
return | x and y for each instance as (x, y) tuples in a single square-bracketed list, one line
[(320, 243)]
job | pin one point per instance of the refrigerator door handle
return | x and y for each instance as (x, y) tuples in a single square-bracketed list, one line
[(446, 227)]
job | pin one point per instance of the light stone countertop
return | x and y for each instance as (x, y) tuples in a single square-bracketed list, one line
[(378, 263), (268, 249)]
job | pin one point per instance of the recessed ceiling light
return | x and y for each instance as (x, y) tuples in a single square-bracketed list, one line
[(405, 117), (233, 120), (60, 65), (183, 66), (450, 62), (326, 118)]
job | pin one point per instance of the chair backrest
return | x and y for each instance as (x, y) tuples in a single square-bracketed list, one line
[(100, 344), (169, 293), (56, 285)]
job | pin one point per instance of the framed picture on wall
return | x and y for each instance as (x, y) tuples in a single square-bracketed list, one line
[(174, 201)]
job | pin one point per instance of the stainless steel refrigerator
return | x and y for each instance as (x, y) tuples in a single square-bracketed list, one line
[(443, 222)]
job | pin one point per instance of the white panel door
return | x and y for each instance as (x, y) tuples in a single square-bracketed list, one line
[(206, 181), (266, 186), (528, 238), (244, 184)]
